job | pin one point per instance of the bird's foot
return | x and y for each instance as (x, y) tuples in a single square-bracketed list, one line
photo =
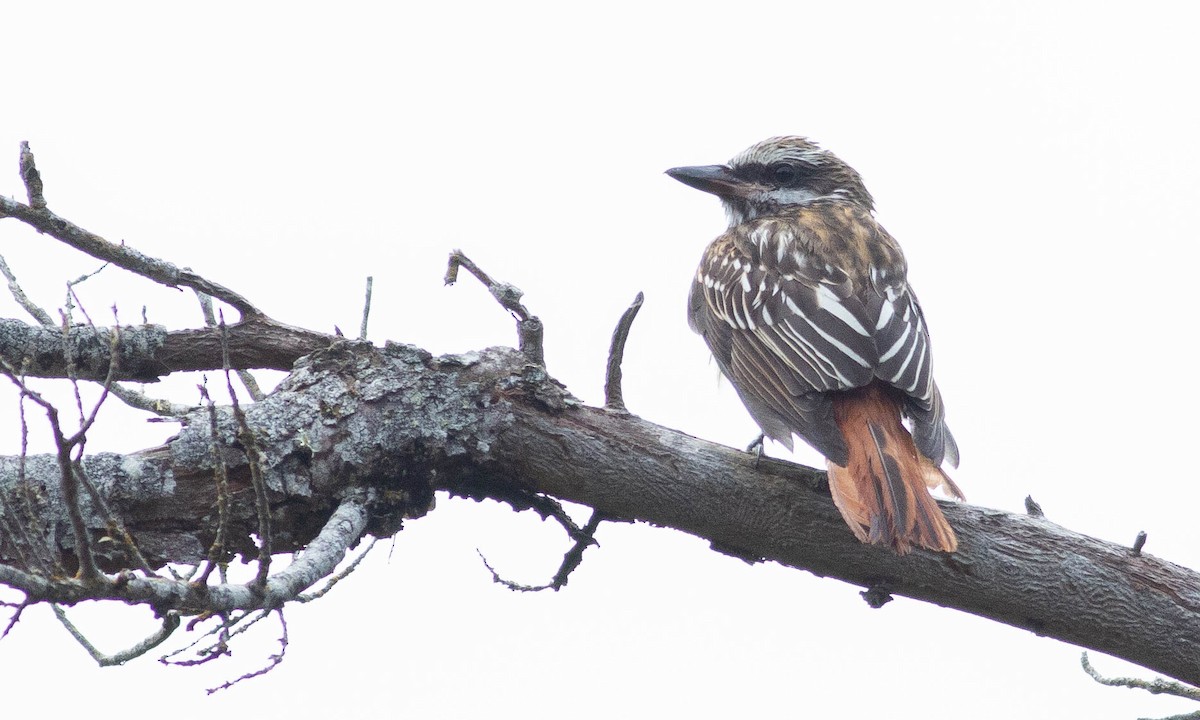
[(758, 447)]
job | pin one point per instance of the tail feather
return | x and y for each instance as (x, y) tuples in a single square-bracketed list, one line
[(881, 491)]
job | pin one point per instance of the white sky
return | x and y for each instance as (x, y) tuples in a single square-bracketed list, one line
[(1039, 163)]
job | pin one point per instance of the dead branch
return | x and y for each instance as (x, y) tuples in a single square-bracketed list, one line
[(614, 398), (37, 216), (529, 328)]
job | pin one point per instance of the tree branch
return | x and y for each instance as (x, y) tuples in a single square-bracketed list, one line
[(485, 423), (148, 352)]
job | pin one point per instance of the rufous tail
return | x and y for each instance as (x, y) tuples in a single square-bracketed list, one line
[(881, 492)]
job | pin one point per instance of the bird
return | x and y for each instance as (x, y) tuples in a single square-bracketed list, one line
[(805, 304)]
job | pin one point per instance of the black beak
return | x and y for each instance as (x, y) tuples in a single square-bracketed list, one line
[(716, 179)]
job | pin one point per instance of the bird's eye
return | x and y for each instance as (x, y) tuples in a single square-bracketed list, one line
[(783, 173)]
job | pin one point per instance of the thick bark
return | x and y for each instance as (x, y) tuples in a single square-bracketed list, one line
[(390, 427)]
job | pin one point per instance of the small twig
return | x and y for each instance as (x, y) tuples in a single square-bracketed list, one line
[(252, 389), (1139, 542), (274, 659), (142, 401), (16, 616), (613, 397), (226, 629), (18, 537), (1032, 507), (114, 357), (31, 177), (169, 625), (362, 331), (88, 570), (210, 320), (116, 528), (22, 299), (221, 475), (73, 297), (206, 307), (571, 560), (68, 351), (1157, 686), (254, 457), (529, 328), (47, 558)]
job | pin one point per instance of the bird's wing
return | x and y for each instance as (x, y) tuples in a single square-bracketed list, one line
[(784, 332), (787, 326), (905, 362)]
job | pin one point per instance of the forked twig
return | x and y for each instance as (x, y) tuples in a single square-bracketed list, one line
[(169, 624), (275, 659), (571, 559), (529, 327)]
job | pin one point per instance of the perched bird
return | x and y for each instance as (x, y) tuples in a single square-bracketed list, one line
[(805, 304)]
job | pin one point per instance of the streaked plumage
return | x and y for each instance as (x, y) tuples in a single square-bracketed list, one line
[(805, 304)]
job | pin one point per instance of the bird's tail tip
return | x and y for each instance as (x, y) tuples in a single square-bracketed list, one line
[(882, 494)]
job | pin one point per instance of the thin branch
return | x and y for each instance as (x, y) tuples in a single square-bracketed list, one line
[(16, 616), (169, 624), (529, 328), (22, 299), (142, 401), (210, 320), (114, 354), (275, 659), (362, 331), (613, 397), (206, 307), (68, 350), (115, 526), (256, 459), (338, 576), (73, 297), (38, 217), (47, 560), (216, 551), (227, 628), (1157, 686), (88, 570), (252, 388), (571, 560)]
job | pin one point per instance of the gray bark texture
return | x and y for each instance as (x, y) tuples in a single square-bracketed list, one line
[(366, 436)]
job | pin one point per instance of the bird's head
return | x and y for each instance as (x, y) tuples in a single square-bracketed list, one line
[(768, 177)]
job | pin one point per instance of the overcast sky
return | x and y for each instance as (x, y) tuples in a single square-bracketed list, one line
[(1039, 162)]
